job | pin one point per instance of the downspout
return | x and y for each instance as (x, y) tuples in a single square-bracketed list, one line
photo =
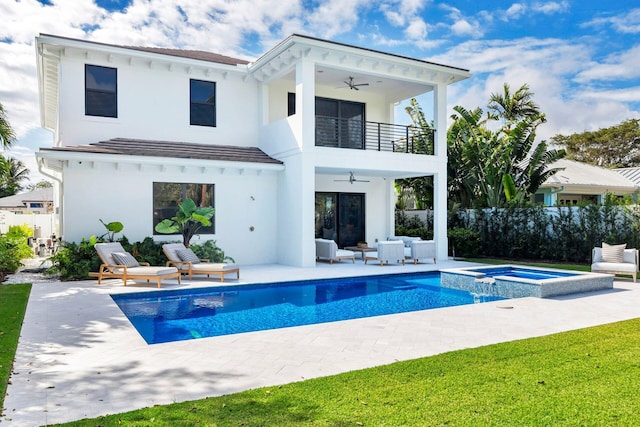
[(60, 194)]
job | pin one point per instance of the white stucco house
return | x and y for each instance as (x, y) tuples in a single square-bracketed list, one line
[(303, 142)]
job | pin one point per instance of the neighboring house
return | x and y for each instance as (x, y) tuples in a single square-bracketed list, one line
[(33, 202), (581, 182), (301, 143), (632, 174)]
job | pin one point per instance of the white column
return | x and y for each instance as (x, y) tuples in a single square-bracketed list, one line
[(440, 119), (440, 178)]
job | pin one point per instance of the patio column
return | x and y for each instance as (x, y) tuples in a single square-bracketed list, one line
[(440, 178)]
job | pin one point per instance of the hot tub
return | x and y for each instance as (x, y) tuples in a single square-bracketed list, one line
[(511, 281)]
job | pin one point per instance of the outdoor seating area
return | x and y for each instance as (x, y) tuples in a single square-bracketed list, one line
[(120, 264), (615, 259), (187, 262)]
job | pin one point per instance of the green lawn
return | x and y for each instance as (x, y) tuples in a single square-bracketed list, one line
[(588, 377), (13, 303)]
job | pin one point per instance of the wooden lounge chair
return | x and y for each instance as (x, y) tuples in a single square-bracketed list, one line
[(117, 263), (188, 263)]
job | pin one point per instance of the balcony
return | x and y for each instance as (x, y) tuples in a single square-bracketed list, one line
[(363, 135)]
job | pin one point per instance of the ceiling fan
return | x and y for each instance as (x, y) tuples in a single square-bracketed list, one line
[(352, 85), (351, 179)]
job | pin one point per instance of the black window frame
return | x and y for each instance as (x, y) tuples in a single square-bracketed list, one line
[(196, 106), (95, 98), (186, 189)]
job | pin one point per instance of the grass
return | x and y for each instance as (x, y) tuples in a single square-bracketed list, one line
[(580, 378), (13, 304)]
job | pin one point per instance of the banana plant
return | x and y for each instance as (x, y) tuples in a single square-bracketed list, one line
[(112, 228), (188, 220)]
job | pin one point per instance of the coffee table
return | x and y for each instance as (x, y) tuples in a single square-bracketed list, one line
[(362, 251)]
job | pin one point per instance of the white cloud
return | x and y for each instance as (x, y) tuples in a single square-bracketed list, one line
[(417, 29), (515, 11), (617, 66), (550, 7), (548, 67), (626, 23)]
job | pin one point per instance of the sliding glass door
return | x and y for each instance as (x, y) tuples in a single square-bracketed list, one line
[(340, 217), (339, 123)]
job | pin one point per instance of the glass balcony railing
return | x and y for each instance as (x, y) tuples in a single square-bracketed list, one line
[(363, 135)]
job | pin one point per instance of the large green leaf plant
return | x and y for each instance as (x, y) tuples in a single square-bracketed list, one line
[(188, 220)]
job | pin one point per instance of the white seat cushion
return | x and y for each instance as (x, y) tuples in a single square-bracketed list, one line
[(213, 266), (625, 267), (148, 271)]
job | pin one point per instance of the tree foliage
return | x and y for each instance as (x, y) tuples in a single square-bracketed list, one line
[(7, 135), (13, 174), (491, 168), (188, 220), (616, 146)]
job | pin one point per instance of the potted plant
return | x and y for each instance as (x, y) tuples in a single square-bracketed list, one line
[(188, 220), (362, 245)]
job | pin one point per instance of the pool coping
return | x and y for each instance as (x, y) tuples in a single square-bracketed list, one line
[(79, 357)]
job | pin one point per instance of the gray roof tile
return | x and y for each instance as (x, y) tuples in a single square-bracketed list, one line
[(180, 150)]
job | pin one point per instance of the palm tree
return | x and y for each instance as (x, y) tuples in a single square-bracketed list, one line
[(7, 136), (12, 175), (513, 107)]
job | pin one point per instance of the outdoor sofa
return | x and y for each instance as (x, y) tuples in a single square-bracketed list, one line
[(120, 264), (188, 262)]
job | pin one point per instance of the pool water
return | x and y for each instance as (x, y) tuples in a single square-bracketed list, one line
[(165, 316), (523, 273)]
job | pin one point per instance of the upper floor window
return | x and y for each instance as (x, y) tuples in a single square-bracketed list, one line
[(203, 103), (100, 91)]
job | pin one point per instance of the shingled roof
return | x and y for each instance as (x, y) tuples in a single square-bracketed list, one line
[(193, 54), (181, 150)]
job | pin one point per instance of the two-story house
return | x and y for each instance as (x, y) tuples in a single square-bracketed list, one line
[(303, 142)]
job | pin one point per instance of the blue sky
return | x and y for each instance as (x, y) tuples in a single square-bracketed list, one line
[(580, 57)]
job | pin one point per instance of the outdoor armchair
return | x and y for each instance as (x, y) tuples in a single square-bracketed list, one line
[(609, 262), (188, 263), (390, 250), (117, 263), (328, 249)]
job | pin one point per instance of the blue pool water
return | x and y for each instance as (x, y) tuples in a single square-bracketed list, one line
[(523, 273), (164, 316)]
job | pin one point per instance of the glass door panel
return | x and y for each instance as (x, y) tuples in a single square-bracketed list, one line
[(340, 217)]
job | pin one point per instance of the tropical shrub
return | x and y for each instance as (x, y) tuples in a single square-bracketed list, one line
[(463, 242), (13, 248), (209, 250), (74, 261)]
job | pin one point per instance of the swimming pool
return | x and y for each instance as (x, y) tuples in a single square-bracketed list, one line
[(164, 316)]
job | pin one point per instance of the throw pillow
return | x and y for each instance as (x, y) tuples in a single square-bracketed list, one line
[(613, 253), (125, 258), (188, 255)]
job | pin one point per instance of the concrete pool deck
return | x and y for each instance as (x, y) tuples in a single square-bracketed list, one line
[(79, 356)]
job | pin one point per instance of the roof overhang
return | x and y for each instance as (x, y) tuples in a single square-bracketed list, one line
[(59, 160), (352, 61)]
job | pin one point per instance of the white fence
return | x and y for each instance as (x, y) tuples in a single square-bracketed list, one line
[(44, 225)]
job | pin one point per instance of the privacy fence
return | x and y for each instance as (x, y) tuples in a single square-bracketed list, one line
[(537, 233)]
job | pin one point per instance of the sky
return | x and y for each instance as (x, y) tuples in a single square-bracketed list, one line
[(580, 58)]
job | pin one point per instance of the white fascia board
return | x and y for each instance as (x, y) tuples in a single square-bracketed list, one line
[(123, 51), (55, 159), (304, 44)]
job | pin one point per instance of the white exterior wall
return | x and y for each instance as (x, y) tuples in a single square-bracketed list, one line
[(126, 195), (153, 103)]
